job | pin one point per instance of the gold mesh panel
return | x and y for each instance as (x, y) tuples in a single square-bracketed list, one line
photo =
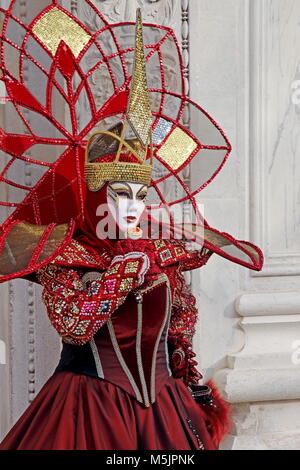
[(55, 26), (177, 148), (97, 173), (220, 241), (21, 243), (139, 113)]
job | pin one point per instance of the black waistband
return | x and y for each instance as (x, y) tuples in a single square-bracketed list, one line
[(78, 359)]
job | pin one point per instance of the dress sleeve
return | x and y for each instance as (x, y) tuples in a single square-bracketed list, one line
[(77, 311), (196, 258), (181, 331)]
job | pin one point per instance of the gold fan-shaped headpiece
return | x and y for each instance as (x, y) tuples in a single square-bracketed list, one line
[(138, 120)]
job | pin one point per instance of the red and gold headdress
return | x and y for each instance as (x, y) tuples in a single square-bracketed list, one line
[(138, 119), (49, 126)]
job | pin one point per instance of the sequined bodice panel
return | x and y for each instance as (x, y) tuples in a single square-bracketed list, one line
[(131, 349)]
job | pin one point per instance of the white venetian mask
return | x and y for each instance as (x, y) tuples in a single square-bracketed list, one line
[(126, 203)]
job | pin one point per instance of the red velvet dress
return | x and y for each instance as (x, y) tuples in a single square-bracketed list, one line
[(116, 388)]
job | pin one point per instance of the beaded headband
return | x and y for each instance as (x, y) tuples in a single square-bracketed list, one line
[(96, 174)]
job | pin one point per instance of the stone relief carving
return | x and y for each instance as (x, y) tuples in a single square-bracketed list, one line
[(153, 10)]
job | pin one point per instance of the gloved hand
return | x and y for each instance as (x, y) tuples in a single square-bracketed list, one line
[(136, 266)]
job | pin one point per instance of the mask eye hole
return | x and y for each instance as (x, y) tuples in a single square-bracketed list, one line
[(142, 193), (117, 190), (123, 194)]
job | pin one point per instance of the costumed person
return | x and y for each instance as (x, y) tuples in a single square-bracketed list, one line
[(112, 273)]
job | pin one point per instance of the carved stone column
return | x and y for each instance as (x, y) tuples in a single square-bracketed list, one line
[(247, 75), (263, 378)]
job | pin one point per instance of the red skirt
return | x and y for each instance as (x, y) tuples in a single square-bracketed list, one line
[(78, 412)]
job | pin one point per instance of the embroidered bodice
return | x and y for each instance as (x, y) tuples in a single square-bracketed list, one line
[(131, 349)]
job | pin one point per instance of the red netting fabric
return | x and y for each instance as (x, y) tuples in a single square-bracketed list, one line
[(52, 64)]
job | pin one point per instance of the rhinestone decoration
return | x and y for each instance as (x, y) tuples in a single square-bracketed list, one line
[(139, 113), (159, 244), (110, 285), (55, 26), (89, 258), (192, 428), (77, 284), (97, 302), (131, 267), (67, 292), (178, 147), (126, 285), (104, 306), (162, 129), (113, 270), (59, 306), (88, 307), (97, 173), (179, 251), (55, 286), (74, 308), (94, 288), (120, 300), (74, 253), (81, 328), (165, 255), (68, 322)]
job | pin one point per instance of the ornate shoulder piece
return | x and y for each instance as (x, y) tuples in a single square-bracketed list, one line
[(77, 307), (27, 247), (75, 254), (169, 251)]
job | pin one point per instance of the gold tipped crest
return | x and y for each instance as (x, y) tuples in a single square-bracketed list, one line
[(139, 114)]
